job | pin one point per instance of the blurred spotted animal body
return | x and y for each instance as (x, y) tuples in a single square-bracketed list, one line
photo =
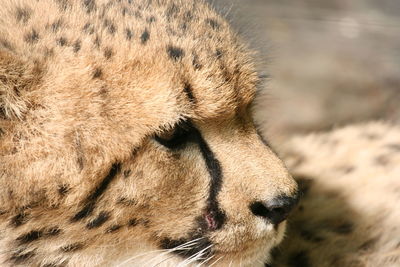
[(127, 138), (349, 214)]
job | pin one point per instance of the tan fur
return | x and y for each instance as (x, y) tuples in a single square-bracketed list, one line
[(84, 87), (350, 212)]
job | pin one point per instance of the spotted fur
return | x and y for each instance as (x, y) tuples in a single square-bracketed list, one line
[(349, 213)]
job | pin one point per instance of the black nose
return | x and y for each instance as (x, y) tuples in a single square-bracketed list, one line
[(275, 210)]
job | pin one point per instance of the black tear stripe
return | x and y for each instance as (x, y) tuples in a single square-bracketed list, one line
[(215, 171), (189, 93), (99, 190), (213, 209)]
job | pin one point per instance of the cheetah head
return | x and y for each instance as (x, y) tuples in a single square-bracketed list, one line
[(137, 146)]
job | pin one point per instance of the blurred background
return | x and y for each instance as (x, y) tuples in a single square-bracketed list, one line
[(329, 62)]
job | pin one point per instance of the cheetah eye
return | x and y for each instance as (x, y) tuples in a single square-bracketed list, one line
[(176, 137)]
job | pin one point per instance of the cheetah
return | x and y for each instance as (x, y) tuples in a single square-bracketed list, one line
[(127, 138), (349, 213)]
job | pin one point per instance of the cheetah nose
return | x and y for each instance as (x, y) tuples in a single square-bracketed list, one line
[(275, 210)]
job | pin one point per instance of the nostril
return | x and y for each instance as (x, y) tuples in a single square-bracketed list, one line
[(259, 209), (275, 210)]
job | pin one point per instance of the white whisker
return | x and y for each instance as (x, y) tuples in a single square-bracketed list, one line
[(196, 257), (215, 262)]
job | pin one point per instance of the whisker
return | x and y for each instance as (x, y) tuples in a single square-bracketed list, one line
[(197, 256), (140, 255), (215, 262), (206, 260), (157, 264)]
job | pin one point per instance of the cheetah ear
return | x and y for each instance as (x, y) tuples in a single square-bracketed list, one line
[(16, 77)]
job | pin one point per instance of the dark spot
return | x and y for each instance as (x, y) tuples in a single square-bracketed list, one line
[(63, 189), (99, 221), (31, 37), (55, 26), (36, 234), (110, 26), (189, 92), (20, 256), (171, 31), (98, 191), (299, 259), (151, 19), (98, 72), (218, 53), (133, 222), (184, 26), (54, 231), (90, 5), (84, 212), (188, 16), (175, 53), (29, 237), (195, 62), (213, 23), (370, 136), (145, 222), (137, 14), (76, 46), (309, 235), (6, 44), (23, 14), (19, 219), (88, 28), (128, 34), (103, 91), (344, 228), (395, 147), (62, 41), (369, 244), (72, 247), (113, 228), (63, 4), (124, 11), (108, 52), (127, 173), (97, 41), (382, 160), (346, 169), (145, 36), (172, 11), (126, 202), (175, 156)]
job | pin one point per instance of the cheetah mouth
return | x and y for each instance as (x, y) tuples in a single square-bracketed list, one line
[(197, 246)]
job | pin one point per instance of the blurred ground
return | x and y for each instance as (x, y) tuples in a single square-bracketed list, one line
[(330, 62)]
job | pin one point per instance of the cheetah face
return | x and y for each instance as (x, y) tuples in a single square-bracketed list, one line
[(127, 138), (212, 191)]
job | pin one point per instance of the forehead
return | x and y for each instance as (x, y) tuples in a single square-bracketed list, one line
[(177, 47), (223, 86), (210, 65), (192, 52)]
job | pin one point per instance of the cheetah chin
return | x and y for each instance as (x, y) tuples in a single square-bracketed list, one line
[(127, 138)]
